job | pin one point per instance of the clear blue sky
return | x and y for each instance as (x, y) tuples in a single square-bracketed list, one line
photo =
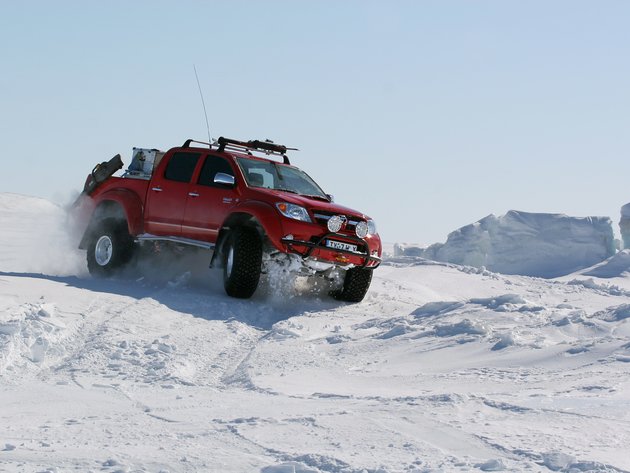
[(426, 115)]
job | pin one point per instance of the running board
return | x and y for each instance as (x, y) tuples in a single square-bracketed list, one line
[(173, 239)]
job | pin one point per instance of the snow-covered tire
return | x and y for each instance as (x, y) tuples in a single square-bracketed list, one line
[(355, 285), (110, 247), (242, 262)]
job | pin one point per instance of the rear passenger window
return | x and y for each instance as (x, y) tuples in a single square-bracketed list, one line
[(181, 167), (211, 167)]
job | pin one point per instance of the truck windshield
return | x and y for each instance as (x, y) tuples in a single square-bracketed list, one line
[(271, 175)]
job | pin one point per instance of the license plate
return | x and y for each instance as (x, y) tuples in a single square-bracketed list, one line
[(337, 245)]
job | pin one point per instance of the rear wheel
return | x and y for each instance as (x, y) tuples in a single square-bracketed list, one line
[(355, 285), (242, 262), (110, 247)]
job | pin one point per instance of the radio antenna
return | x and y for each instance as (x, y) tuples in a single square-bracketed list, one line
[(203, 103)]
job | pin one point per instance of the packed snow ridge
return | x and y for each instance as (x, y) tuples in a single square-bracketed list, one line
[(529, 244), (442, 368)]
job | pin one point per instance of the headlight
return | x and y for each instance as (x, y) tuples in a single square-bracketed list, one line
[(364, 229), (293, 211), (371, 227)]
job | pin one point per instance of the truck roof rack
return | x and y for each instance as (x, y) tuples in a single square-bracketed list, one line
[(189, 140), (268, 147)]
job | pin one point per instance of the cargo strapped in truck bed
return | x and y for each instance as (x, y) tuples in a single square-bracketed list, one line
[(101, 173)]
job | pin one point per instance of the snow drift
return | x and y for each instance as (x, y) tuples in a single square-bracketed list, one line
[(529, 244), (615, 266)]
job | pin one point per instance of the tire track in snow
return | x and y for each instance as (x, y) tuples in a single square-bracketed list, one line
[(88, 342), (237, 376)]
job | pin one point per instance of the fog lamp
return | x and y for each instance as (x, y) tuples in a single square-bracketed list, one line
[(335, 223), (362, 229)]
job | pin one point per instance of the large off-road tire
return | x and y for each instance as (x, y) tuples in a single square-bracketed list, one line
[(110, 247), (242, 262), (355, 285)]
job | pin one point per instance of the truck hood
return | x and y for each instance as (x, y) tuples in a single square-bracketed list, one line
[(275, 196)]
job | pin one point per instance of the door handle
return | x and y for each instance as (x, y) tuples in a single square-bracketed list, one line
[(193, 194), (156, 189)]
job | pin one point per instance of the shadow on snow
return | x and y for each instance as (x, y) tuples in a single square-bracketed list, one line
[(184, 283)]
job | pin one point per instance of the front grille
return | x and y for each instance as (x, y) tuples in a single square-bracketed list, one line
[(322, 218)]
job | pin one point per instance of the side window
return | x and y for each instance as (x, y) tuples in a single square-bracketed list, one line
[(181, 166), (211, 167)]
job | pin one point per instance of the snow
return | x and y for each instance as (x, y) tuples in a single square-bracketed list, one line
[(529, 244), (441, 368), (34, 237), (613, 267), (624, 225)]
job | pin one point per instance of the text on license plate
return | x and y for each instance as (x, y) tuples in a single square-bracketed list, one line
[(337, 245)]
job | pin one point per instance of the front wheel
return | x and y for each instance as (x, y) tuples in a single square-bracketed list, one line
[(355, 285), (242, 262), (110, 247)]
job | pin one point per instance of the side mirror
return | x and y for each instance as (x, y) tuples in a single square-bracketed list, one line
[(224, 179), (330, 197)]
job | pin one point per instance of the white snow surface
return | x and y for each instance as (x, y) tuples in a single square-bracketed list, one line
[(529, 244), (441, 368), (624, 225)]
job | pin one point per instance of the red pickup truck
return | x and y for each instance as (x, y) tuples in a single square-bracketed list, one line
[(238, 199)]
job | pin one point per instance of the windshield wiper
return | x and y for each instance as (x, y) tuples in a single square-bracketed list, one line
[(285, 190), (318, 197)]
